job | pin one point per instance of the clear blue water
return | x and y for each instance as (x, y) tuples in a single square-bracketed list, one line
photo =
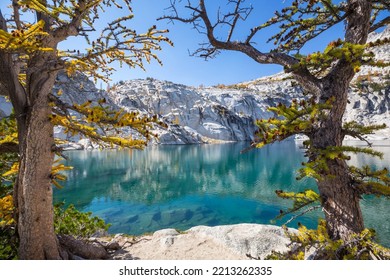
[(184, 186)]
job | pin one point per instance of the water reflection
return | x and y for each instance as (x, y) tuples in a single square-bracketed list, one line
[(184, 186)]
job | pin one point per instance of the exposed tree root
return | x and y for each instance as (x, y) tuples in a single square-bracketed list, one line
[(76, 249)]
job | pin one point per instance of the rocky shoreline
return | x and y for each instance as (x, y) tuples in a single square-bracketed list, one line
[(226, 242)]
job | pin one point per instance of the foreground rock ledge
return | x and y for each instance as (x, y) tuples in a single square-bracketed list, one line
[(228, 242)]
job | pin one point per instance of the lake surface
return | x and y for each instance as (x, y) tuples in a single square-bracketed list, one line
[(184, 186)]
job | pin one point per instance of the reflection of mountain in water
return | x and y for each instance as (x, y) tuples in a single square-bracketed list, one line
[(163, 173), (375, 210), (184, 186)]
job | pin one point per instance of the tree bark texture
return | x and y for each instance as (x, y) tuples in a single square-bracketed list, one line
[(83, 249), (340, 200), (34, 195)]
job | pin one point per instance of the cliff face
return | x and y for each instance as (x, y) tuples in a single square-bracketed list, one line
[(222, 113), (207, 114), (369, 94), (227, 113)]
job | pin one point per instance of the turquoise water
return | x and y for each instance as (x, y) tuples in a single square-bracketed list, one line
[(184, 186)]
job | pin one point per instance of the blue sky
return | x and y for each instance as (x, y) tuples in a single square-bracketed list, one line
[(227, 68), (179, 66)]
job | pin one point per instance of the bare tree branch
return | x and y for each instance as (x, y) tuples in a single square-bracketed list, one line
[(12, 89), (15, 7), (201, 13), (380, 24), (239, 13), (356, 32), (214, 45), (307, 210), (72, 28)]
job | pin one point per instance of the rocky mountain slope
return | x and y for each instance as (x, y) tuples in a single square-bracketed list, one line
[(198, 114), (204, 114), (227, 113)]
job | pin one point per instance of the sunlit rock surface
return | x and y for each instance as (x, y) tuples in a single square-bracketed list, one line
[(225, 113)]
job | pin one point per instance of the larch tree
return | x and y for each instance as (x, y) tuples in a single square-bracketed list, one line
[(324, 77), (30, 33)]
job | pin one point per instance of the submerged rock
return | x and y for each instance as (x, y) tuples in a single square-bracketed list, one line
[(133, 219)]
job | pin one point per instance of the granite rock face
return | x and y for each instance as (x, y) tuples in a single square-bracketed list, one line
[(228, 113), (225, 113), (194, 115), (197, 115)]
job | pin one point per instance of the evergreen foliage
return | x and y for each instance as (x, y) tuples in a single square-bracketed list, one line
[(70, 221), (8, 238), (302, 201), (325, 77), (30, 60), (302, 117), (101, 124), (8, 137), (8, 243), (316, 244), (67, 221), (116, 43)]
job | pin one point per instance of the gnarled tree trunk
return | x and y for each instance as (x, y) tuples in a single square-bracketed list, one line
[(34, 188), (340, 200)]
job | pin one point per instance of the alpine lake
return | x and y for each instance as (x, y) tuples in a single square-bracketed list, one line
[(181, 186)]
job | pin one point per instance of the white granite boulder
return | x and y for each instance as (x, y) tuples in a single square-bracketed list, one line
[(253, 240)]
